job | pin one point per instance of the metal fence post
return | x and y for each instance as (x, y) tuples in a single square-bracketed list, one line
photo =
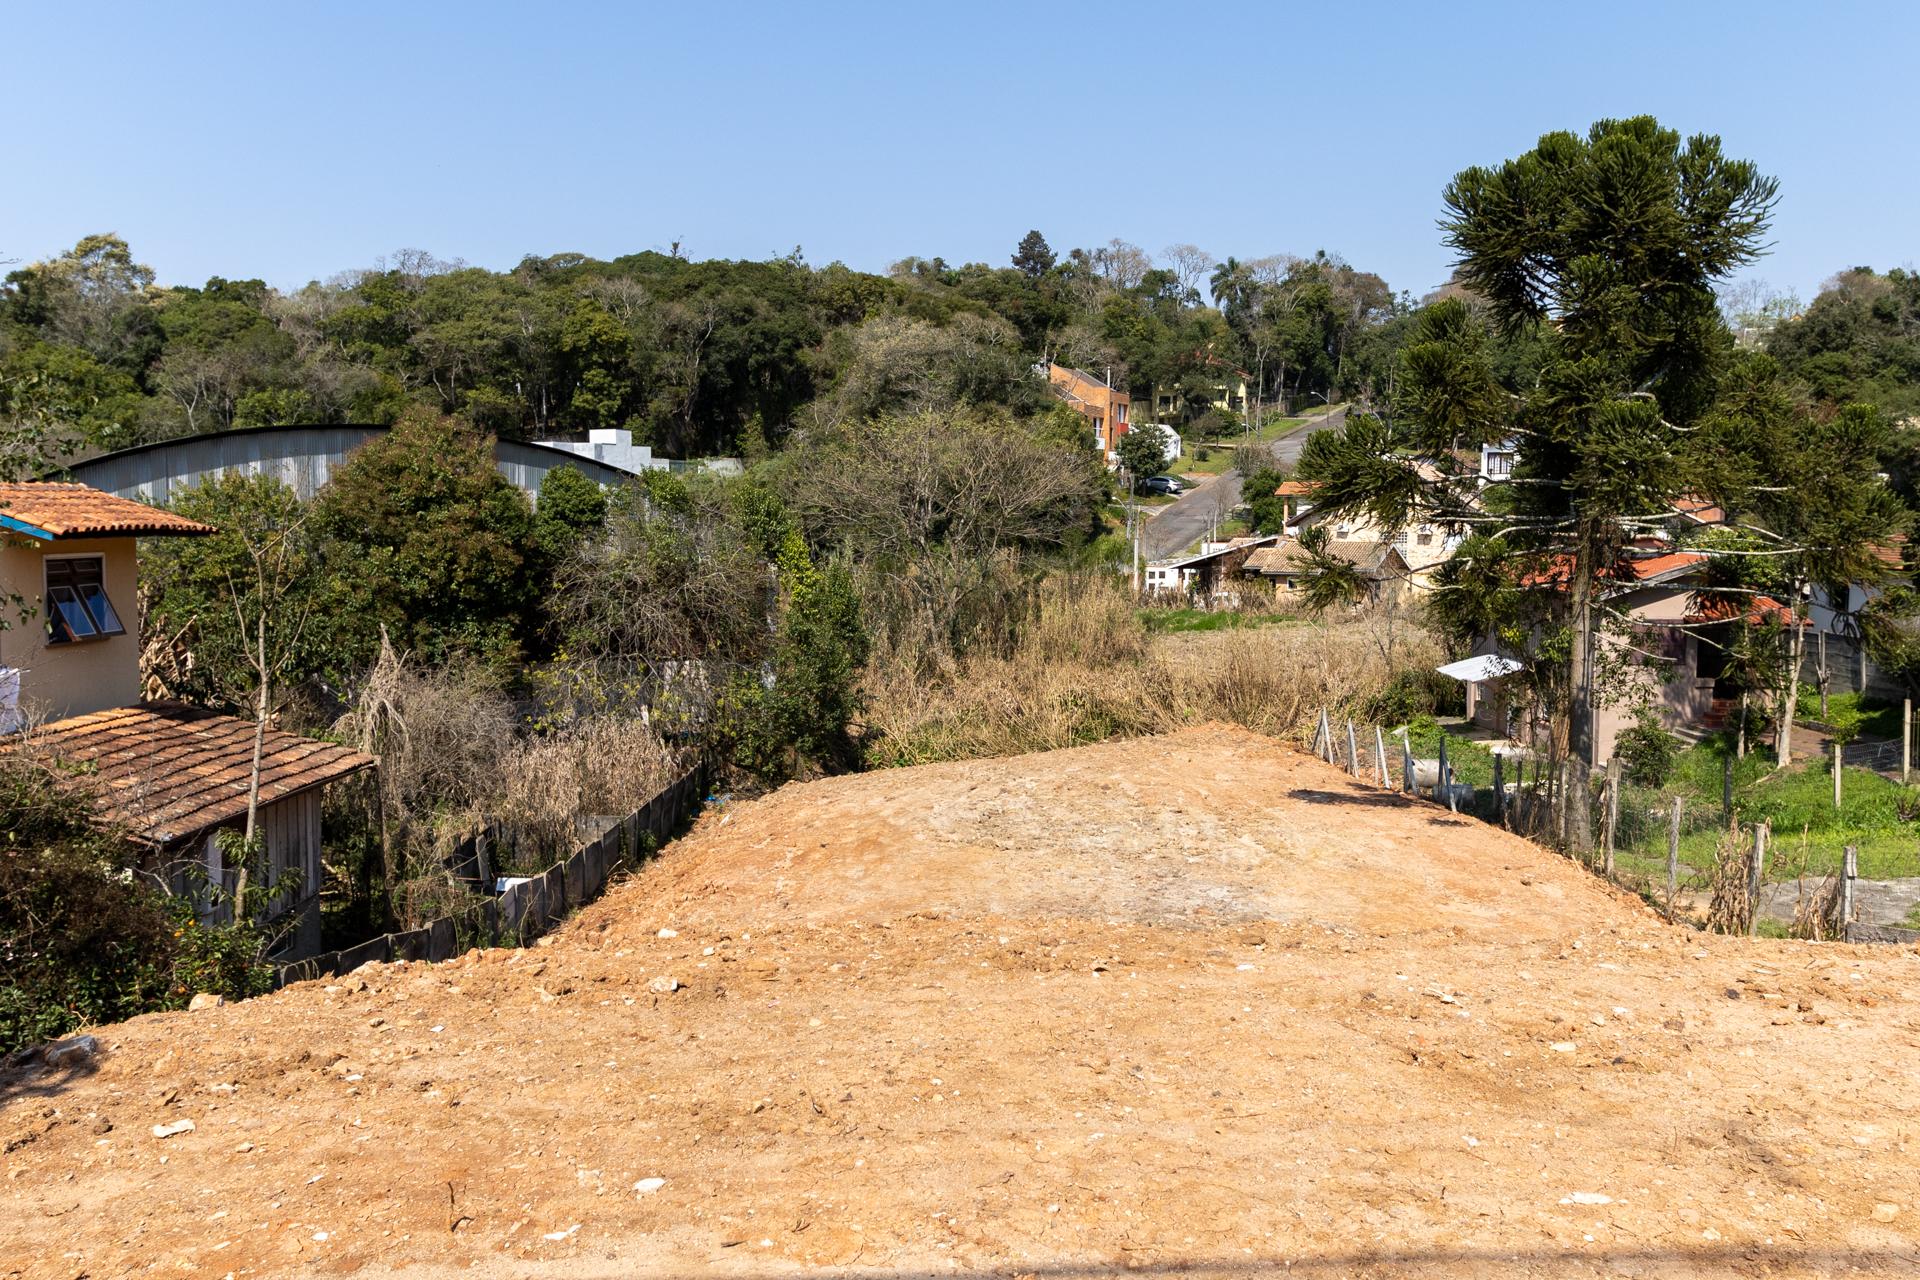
[(1499, 789), (1613, 817)]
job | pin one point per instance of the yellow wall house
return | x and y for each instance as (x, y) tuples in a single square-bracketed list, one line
[(169, 775)]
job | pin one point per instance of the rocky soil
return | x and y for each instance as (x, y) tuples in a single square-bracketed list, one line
[(1195, 1005)]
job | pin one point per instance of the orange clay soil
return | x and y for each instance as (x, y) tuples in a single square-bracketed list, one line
[(1194, 1005)]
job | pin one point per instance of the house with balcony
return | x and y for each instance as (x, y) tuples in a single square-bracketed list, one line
[(1095, 399), (170, 776), (1420, 547)]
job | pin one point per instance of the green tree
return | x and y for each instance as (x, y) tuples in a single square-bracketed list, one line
[(1327, 580), (214, 596), (1607, 248), (1142, 454), (1808, 486), (423, 536), (1034, 258), (571, 509)]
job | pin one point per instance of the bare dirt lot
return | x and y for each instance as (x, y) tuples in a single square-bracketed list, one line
[(1194, 1005)]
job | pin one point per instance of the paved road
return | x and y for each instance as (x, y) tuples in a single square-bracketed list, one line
[(1187, 519), (1289, 447), (1174, 527)]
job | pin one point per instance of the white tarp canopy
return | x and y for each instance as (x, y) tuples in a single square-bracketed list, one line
[(1489, 666)]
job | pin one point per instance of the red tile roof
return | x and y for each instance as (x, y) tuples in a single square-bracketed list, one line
[(1295, 488), (44, 510), (1625, 569), (166, 771), (1759, 609), (1699, 510)]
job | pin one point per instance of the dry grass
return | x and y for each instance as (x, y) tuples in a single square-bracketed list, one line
[(1086, 669), (453, 758), (598, 766), (1731, 907)]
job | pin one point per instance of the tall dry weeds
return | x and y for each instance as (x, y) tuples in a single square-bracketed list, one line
[(1731, 907), (1086, 669), (598, 766)]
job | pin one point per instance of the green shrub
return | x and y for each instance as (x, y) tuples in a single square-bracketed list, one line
[(83, 940), (1411, 695), (1646, 751), (1202, 454)]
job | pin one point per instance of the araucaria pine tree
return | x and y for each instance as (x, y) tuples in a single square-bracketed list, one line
[(1605, 249)]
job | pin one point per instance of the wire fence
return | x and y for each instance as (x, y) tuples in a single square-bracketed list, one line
[(1693, 861)]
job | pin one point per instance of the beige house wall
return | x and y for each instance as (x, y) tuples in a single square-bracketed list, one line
[(60, 680), (1421, 559), (1681, 698)]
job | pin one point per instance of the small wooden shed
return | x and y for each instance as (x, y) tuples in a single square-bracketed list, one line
[(173, 776)]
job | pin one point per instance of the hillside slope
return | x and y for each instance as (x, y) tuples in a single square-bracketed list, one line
[(1191, 1005)]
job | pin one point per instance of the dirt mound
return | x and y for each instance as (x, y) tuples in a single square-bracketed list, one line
[(1193, 1004)]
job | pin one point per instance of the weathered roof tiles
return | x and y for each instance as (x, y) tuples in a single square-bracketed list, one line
[(166, 771), (48, 511)]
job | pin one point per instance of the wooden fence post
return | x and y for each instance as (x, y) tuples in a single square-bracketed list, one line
[(1849, 872), (1353, 750), (1673, 856), (1726, 789), (1326, 737), (1443, 786), (1836, 775), (1906, 738), (1499, 788), (1406, 766), (1613, 817), (1754, 869), (1380, 756)]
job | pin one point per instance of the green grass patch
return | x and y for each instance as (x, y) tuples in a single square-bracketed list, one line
[(1877, 815), (1182, 621), (1878, 717)]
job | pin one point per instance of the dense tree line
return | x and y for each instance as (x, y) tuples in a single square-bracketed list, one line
[(696, 357)]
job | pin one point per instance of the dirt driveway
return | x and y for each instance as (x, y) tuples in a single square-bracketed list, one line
[(1194, 1005)]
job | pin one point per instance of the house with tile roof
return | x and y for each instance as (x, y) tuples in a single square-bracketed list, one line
[(1422, 546), (171, 776), (1672, 641), (1283, 565)]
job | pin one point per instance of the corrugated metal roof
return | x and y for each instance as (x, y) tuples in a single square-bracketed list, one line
[(45, 510), (166, 771)]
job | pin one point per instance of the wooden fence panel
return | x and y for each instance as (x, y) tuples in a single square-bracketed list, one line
[(596, 856), (523, 911)]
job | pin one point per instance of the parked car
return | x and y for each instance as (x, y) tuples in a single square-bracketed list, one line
[(1167, 485)]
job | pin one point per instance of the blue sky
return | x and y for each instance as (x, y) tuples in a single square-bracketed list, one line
[(293, 141)]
